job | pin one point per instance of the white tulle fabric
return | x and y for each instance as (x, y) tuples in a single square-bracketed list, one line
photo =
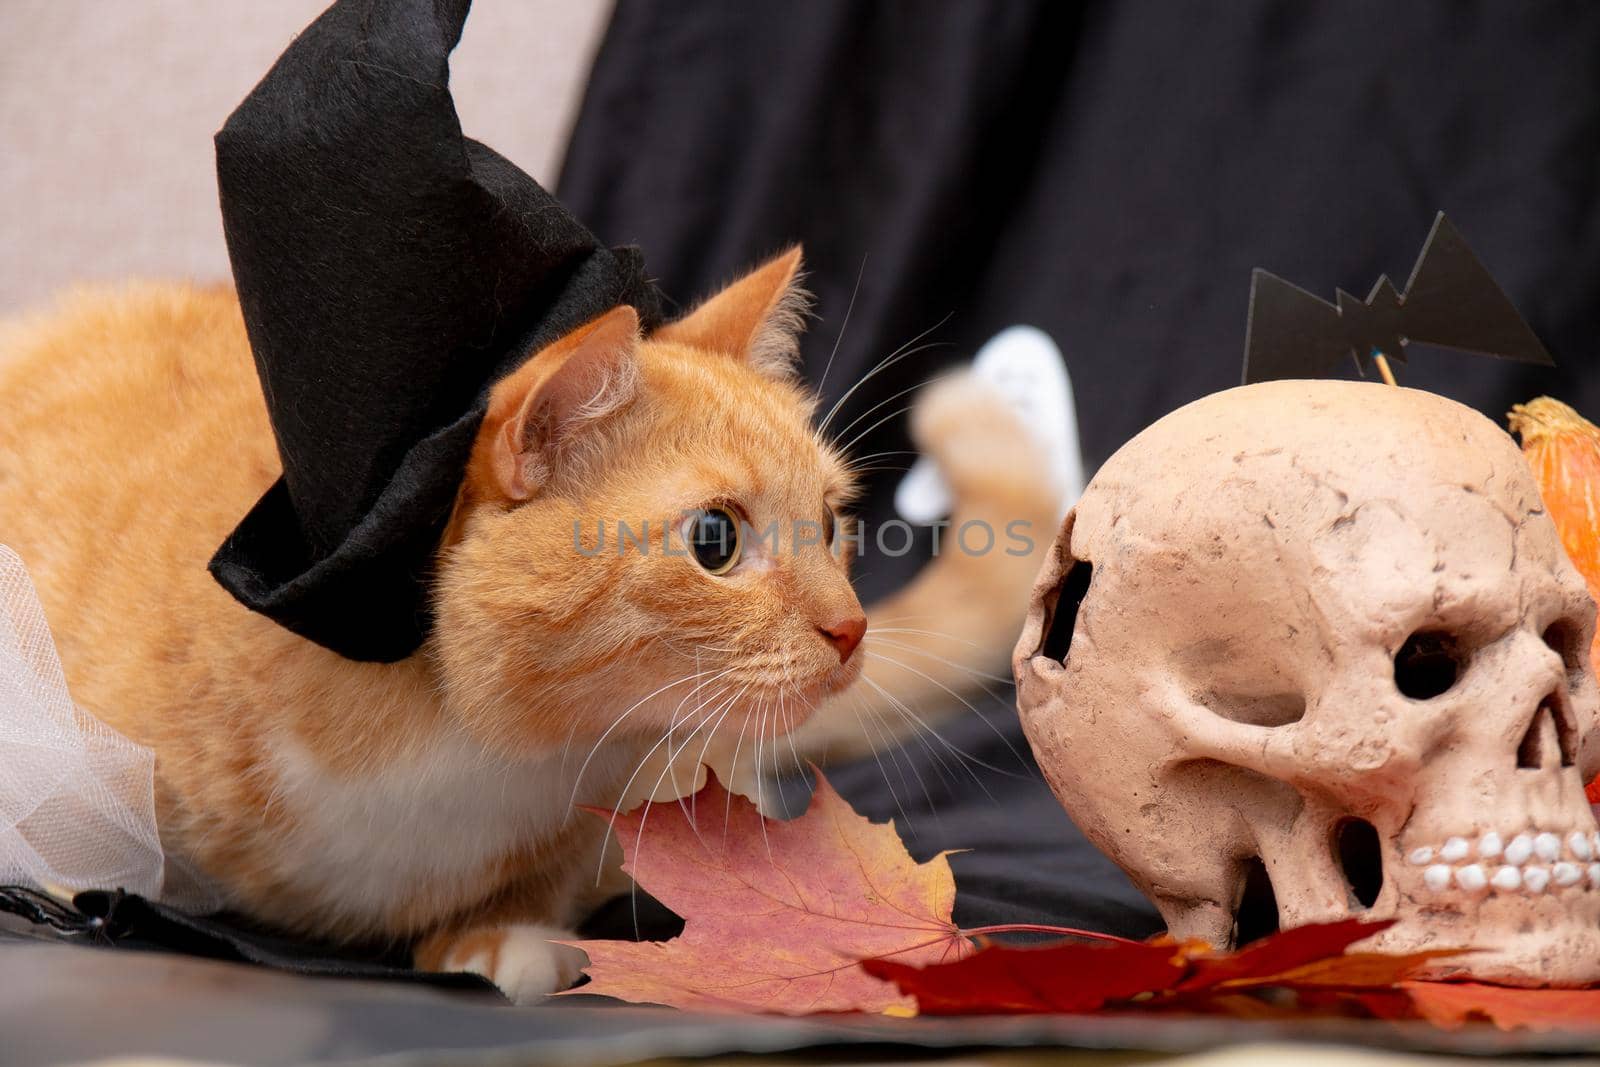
[(77, 799)]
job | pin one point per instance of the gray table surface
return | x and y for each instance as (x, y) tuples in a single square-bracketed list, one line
[(63, 1003)]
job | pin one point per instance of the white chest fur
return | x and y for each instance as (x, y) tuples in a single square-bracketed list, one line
[(428, 825)]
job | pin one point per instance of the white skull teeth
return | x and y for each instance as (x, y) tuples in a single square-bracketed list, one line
[(1511, 869), (1520, 850)]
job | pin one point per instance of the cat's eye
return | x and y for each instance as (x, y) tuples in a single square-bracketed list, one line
[(714, 539)]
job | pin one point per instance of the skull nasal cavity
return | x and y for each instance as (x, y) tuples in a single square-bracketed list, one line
[(1257, 914), (1064, 613), (1427, 665), (1361, 859), (1551, 738), (1565, 639)]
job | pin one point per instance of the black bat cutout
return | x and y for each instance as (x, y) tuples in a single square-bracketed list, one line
[(1450, 301)]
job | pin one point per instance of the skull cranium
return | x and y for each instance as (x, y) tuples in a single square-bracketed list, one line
[(1324, 631)]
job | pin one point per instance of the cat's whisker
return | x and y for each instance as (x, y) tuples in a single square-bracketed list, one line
[(888, 361), (616, 810), (843, 326), (720, 708), (851, 462), (964, 701), (948, 779), (857, 439), (600, 743), (761, 771), (761, 776), (941, 765), (911, 617), (700, 761), (698, 648), (912, 346), (638, 853), (881, 468), (698, 710), (955, 749), (691, 810), (941, 634), (889, 400), (922, 731), (879, 745), (788, 729), (674, 721), (733, 773), (781, 719), (901, 646), (577, 782), (892, 468), (777, 711), (644, 819)]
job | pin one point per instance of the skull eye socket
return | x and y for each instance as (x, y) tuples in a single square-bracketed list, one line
[(1428, 664), (1064, 614), (1270, 710)]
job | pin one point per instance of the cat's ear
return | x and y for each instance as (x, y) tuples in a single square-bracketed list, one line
[(757, 318), (539, 413)]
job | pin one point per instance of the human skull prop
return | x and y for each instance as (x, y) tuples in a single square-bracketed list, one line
[(1325, 630)]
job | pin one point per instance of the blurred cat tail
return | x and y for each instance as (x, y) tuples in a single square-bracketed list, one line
[(77, 799), (390, 270), (1000, 440)]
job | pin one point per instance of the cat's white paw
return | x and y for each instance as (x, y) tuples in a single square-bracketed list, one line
[(522, 959)]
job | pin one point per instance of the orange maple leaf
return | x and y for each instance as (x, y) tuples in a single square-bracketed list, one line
[(777, 915), (1451, 1004)]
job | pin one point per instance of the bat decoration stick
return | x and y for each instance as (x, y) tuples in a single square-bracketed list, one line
[(1384, 372), (1450, 301)]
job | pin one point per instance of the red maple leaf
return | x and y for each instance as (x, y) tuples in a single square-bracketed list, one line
[(776, 914), (1311, 965), (1158, 974), (1067, 977)]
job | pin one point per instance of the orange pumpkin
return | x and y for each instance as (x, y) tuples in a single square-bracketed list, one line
[(1563, 448)]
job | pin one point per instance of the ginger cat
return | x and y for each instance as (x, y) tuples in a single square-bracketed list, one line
[(430, 801)]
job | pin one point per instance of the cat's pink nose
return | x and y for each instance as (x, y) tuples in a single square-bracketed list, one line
[(845, 635)]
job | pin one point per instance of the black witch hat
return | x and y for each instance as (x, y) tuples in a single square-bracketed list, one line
[(390, 270)]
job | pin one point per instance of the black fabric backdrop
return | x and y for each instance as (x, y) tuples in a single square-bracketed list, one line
[(1110, 173)]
